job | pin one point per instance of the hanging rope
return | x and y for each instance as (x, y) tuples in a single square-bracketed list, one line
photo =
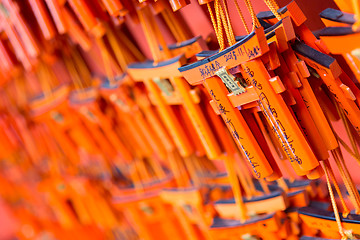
[(255, 20), (221, 22), (333, 203), (347, 148), (347, 128), (346, 210), (241, 16), (341, 141), (349, 183), (219, 35), (272, 5), (228, 28)]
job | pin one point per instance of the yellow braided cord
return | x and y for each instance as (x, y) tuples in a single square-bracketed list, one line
[(274, 3), (218, 33), (230, 32), (255, 20), (241, 16), (337, 188), (333, 203), (221, 21), (273, 9)]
